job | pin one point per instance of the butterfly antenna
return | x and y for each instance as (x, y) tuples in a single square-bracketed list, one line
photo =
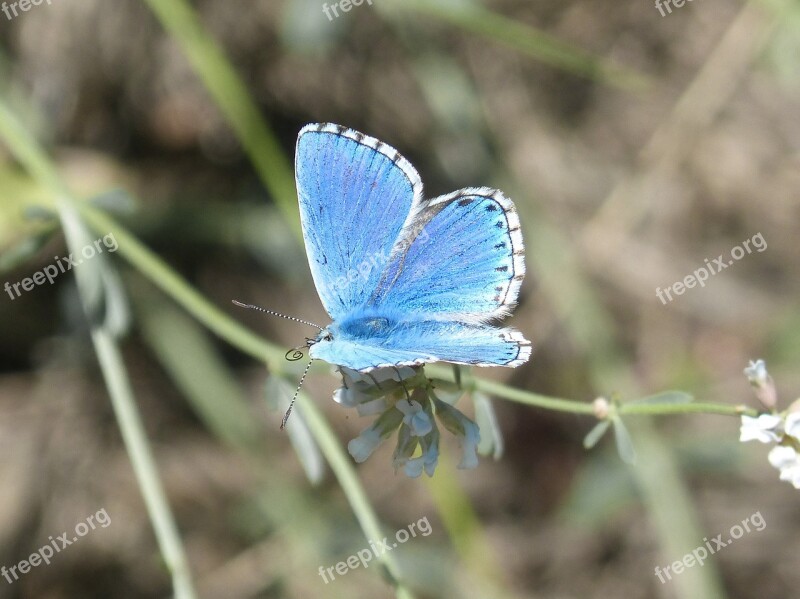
[(291, 404), (260, 309)]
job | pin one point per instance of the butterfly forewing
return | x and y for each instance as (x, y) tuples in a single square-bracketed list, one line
[(355, 195)]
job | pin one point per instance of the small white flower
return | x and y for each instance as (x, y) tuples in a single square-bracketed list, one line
[(762, 383), (792, 425), (765, 428), (349, 397), (464, 429), (787, 461), (362, 446), (415, 417), (402, 399), (782, 457), (756, 373)]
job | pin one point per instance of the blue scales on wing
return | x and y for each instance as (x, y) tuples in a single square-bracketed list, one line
[(461, 259), (406, 281), (355, 195)]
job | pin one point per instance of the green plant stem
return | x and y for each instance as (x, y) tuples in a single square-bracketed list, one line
[(342, 466), (143, 462), (173, 285), (686, 408), (114, 374), (558, 404), (528, 40), (231, 96)]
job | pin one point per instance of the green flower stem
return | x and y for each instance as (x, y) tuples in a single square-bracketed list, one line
[(144, 464), (231, 96), (173, 285), (471, 17), (686, 408), (114, 373), (342, 466), (580, 407), (532, 399), (234, 333)]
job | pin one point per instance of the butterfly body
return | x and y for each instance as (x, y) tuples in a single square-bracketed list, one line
[(406, 280)]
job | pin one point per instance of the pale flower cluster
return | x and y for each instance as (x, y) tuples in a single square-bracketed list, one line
[(403, 401), (781, 429)]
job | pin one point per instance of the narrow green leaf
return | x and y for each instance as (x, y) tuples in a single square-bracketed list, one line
[(491, 442), (594, 435), (624, 443), (198, 369), (22, 251), (527, 40), (279, 394)]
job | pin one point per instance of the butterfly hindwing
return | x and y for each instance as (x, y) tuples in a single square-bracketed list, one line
[(355, 195), (411, 342)]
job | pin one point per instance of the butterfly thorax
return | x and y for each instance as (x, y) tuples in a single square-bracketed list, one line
[(359, 327)]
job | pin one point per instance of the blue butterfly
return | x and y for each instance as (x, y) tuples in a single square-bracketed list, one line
[(405, 280)]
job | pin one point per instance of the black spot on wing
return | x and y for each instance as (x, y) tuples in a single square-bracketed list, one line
[(465, 202)]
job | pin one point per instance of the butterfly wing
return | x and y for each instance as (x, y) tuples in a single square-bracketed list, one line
[(408, 343), (457, 264), (356, 194), (461, 258)]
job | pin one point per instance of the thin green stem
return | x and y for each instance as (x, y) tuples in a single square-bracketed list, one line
[(145, 261), (173, 285), (144, 466), (528, 40), (579, 407), (685, 408), (533, 399), (342, 466), (143, 462), (231, 96)]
